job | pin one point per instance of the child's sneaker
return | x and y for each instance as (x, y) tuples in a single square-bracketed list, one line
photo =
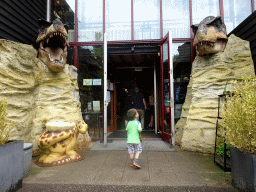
[(136, 164), (132, 161)]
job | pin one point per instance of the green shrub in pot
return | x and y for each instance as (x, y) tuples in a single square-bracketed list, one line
[(239, 115), (239, 123)]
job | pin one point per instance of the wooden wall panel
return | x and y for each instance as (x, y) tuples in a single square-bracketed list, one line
[(18, 19)]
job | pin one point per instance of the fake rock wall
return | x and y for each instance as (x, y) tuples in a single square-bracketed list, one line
[(35, 94), (196, 128)]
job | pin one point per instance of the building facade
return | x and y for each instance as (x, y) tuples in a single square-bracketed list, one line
[(148, 44)]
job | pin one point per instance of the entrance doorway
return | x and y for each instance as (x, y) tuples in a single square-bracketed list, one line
[(128, 79), (127, 72)]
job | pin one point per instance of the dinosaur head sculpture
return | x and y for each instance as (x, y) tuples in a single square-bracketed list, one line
[(210, 36), (52, 42)]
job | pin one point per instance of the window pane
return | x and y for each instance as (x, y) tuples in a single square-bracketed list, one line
[(204, 8), (235, 12), (71, 20), (176, 18), (182, 69), (146, 19), (65, 10), (70, 57), (118, 19), (181, 73), (90, 20), (166, 85), (90, 87)]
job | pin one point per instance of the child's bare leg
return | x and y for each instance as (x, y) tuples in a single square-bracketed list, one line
[(131, 156), (137, 155)]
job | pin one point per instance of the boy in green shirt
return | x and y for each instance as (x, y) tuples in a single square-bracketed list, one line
[(133, 137)]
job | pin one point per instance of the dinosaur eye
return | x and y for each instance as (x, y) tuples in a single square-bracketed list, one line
[(217, 23), (195, 28)]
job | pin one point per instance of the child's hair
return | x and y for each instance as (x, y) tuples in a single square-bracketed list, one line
[(131, 114)]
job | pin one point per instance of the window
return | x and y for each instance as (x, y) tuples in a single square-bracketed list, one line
[(90, 20), (235, 11), (118, 19), (90, 86), (204, 8), (176, 18), (146, 19), (65, 10)]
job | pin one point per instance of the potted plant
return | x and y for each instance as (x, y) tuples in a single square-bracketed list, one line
[(239, 121), (11, 154)]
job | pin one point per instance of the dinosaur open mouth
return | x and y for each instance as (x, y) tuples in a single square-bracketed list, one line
[(208, 43), (211, 44), (208, 47), (55, 45)]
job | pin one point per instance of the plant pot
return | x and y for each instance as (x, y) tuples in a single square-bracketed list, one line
[(243, 170), (27, 158), (11, 167)]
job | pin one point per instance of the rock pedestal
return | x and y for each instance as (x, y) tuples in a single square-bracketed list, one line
[(210, 75)]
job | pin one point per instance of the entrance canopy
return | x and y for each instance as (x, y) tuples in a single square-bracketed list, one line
[(132, 55)]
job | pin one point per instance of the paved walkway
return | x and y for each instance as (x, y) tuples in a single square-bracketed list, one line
[(104, 170), (147, 145)]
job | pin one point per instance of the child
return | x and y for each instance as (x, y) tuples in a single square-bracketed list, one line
[(133, 139)]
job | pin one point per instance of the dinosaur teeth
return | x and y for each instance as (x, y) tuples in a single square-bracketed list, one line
[(205, 43), (41, 45), (50, 57)]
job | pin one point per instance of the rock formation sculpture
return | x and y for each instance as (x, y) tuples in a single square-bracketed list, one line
[(212, 71), (39, 93)]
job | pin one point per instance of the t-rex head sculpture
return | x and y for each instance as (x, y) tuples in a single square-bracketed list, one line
[(210, 36), (52, 42)]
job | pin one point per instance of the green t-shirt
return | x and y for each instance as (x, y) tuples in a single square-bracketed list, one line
[(133, 129)]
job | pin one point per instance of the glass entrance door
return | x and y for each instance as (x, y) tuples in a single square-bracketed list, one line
[(167, 123)]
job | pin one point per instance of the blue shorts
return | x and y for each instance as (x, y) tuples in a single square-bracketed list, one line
[(134, 148)]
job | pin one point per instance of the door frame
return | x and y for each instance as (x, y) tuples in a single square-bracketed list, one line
[(105, 76), (155, 100), (159, 102), (169, 137)]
